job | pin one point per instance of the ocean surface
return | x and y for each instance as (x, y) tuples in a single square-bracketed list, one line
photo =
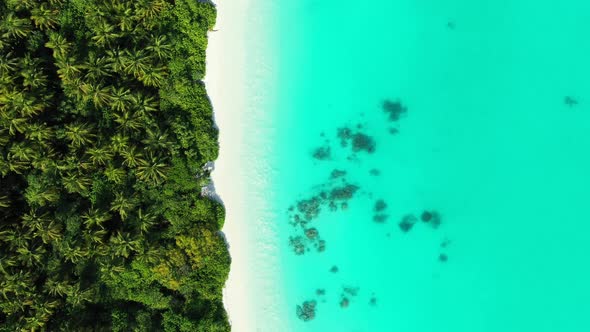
[(420, 165)]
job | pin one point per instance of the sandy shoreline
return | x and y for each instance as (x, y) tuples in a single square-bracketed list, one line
[(225, 85), (241, 75)]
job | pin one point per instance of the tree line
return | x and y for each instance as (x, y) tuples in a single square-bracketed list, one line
[(105, 127)]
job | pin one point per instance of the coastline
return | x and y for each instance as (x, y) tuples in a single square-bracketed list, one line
[(240, 81), (225, 74)]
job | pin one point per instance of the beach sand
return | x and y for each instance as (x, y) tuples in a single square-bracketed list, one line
[(241, 80), (224, 81)]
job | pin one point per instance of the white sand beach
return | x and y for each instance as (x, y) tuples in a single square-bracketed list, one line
[(224, 81), (240, 75)]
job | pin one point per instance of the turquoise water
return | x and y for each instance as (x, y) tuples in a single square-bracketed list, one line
[(487, 141)]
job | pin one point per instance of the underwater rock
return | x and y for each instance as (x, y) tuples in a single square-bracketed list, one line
[(393, 131), (333, 206), (570, 101), (344, 206), (334, 269), (306, 311), (344, 134), (445, 243), (380, 205), (352, 291), (394, 109), (443, 258), (322, 153), (373, 301), (343, 193), (451, 25), (344, 303), (362, 142), (435, 221), (407, 222), (380, 218), (310, 208), (311, 233), (297, 244), (337, 174), (375, 172), (431, 217), (426, 216), (320, 291), (321, 246)]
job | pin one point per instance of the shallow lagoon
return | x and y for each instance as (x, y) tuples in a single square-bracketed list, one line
[(488, 141)]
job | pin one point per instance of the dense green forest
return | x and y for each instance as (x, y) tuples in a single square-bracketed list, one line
[(105, 128)]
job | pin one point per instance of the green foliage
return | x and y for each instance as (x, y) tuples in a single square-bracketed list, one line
[(105, 127)]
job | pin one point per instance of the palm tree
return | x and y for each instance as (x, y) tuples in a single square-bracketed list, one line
[(131, 157), (136, 62), (78, 134), (50, 232), (119, 143), (44, 18), (145, 221), (152, 170), (23, 152), (76, 296), (33, 78), (153, 77), (5, 261), (18, 166), (156, 140), (160, 47), (8, 64), (57, 288), (95, 217), (115, 174), (123, 245), (17, 125), (30, 256), (97, 67), (73, 254), (78, 88), (68, 69), (104, 33), (144, 104), (34, 221), (117, 58), (58, 44), (128, 121), (76, 183), (147, 10), (27, 105), (101, 95), (100, 156), (21, 5), (16, 27), (120, 98), (38, 196), (38, 132), (56, 3), (46, 163), (122, 205)]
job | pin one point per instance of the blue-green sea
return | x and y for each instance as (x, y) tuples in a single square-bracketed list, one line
[(488, 133)]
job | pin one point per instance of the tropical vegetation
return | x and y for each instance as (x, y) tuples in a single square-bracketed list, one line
[(105, 129)]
